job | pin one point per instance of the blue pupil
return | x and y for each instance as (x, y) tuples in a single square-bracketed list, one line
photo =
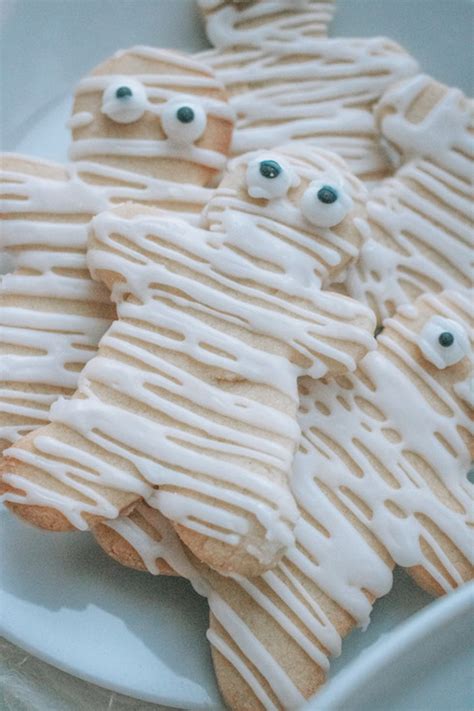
[(270, 169), (327, 195), (446, 339), (123, 92), (185, 114)]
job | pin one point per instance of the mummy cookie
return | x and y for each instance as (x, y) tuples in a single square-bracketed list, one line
[(288, 81), (148, 125), (421, 220), (378, 480), (194, 389)]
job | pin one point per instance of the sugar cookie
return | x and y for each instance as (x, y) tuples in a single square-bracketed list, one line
[(52, 314), (194, 389)]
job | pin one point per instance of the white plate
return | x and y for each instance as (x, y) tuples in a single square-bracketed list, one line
[(61, 598), (65, 601)]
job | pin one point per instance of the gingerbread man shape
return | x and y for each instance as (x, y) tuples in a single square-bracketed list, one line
[(194, 390), (129, 143), (378, 480), (288, 81), (421, 220)]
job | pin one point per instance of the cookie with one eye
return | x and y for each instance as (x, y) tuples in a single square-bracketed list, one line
[(380, 478), (52, 314), (191, 401)]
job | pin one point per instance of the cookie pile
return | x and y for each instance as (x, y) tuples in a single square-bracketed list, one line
[(236, 337)]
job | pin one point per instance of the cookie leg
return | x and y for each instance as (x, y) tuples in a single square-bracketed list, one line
[(272, 636), (143, 540)]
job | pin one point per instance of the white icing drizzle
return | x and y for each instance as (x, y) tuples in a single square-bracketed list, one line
[(245, 672), (165, 545), (45, 232), (282, 684), (79, 120), (218, 293), (322, 560), (294, 87), (146, 149), (422, 219), (465, 391)]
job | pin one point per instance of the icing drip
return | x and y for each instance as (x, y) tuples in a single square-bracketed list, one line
[(422, 219), (164, 545), (319, 91), (47, 209), (225, 306)]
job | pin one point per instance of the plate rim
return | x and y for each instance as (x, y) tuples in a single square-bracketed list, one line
[(386, 651)]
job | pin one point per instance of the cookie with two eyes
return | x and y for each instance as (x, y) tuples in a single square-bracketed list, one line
[(380, 478), (148, 125), (191, 401)]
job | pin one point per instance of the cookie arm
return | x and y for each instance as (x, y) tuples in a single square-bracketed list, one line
[(339, 337), (420, 220), (47, 323)]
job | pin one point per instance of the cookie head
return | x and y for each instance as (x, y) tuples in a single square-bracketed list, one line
[(434, 343), (306, 198), (253, 22), (157, 111)]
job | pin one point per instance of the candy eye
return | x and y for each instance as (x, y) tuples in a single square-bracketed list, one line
[(443, 342), (269, 179), (326, 203), (183, 121), (124, 100)]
